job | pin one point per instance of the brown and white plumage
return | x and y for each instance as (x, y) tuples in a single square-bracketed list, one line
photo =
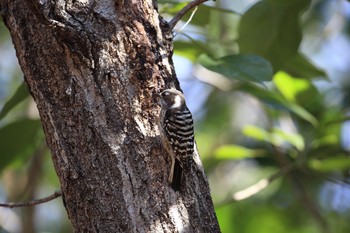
[(176, 125)]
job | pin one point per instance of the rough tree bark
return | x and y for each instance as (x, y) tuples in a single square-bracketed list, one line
[(92, 68)]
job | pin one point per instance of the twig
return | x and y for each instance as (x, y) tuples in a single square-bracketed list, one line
[(31, 203), (188, 21), (261, 184), (257, 187), (183, 11)]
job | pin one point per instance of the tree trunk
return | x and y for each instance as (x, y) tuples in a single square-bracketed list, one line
[(92, 68)]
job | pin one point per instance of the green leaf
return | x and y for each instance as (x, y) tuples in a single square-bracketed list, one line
[(277, 137), (271, 29), (278, 101), (256, 133), (20, 95), (300, 66), (290, 87), (236, 152), (300, 91), (18, 140), (241, 67), (334, 163), (293, 139)]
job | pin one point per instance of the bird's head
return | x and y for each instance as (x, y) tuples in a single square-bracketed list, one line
[(171, 98)]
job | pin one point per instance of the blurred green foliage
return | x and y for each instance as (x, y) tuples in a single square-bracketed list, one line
[(272, 135), (271, 113)]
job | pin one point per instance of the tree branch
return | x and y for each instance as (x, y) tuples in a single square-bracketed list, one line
[(31, 203), (261, 184), (188, 21), (97, 111), (257, 187), (183, 11)]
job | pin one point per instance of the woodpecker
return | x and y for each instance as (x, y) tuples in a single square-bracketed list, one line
[(176, 126)]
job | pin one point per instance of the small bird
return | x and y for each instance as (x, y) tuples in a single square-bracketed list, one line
[(176, 126)]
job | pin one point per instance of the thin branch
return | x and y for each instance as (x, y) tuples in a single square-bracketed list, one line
[(183, 11), (261, 184), (188, 21), (257, 187), (31, 203)]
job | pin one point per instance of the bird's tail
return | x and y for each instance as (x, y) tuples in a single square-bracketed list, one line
[(177, 175)]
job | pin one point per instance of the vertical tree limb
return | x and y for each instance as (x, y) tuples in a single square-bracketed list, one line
[(92, 68)]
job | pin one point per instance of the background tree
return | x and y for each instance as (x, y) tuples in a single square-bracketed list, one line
[(271, 127)]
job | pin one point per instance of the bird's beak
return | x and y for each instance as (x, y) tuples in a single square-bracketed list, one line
[(156, 95)]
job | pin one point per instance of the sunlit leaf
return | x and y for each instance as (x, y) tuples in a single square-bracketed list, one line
[(20, 95), (276, 137), (294, 139), (290, 87), (236, 152), (18, 140), (256, 133), (300, 91), (241, 67), (328, 139), (331, 163)]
